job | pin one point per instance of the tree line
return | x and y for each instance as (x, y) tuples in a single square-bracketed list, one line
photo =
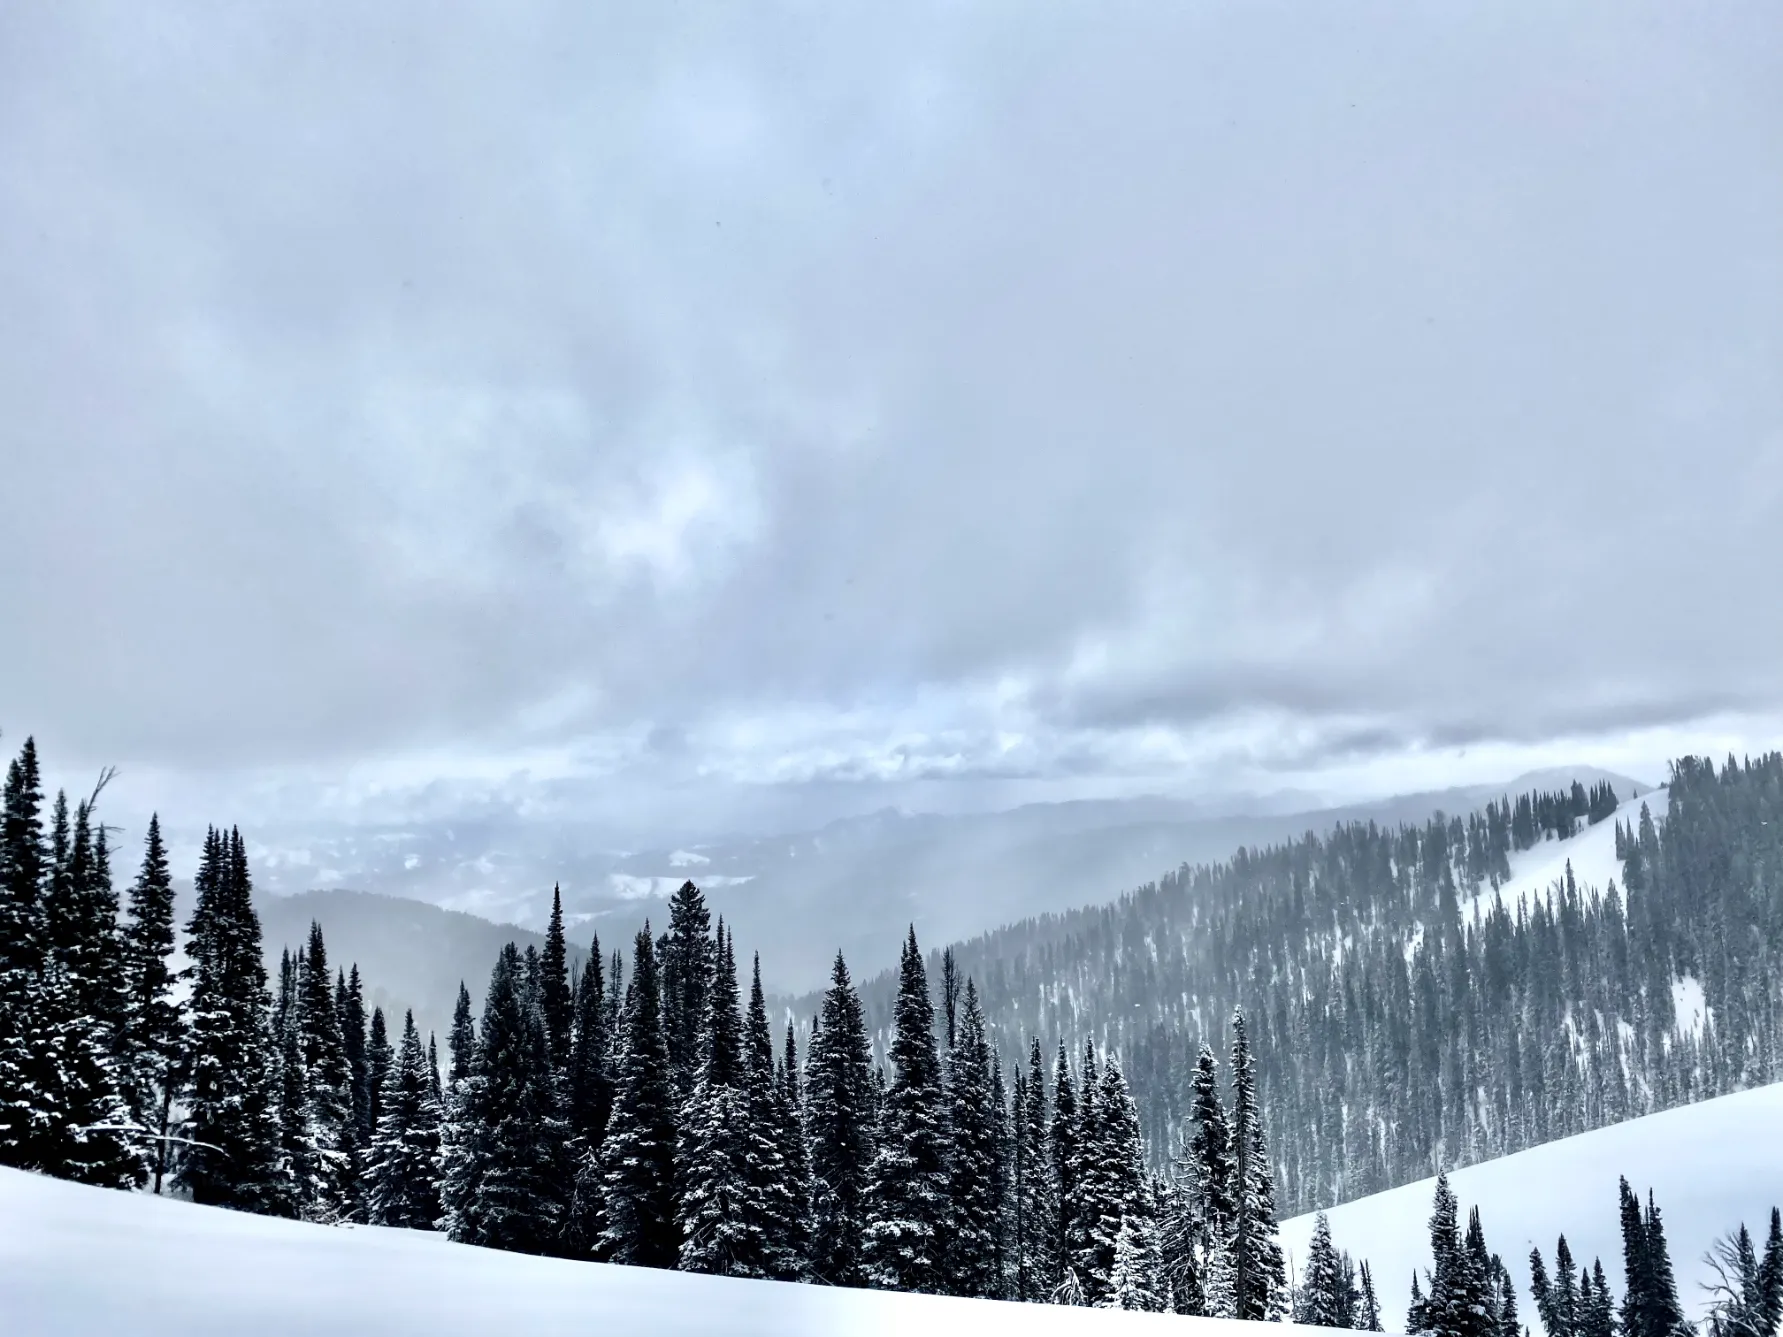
[(1403, 1018), (638, 1113)]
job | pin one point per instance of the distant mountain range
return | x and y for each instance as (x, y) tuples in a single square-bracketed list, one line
[(852, 885)]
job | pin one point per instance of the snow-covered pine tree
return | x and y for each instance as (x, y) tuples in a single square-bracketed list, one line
[(349, 1006), (1259, 1280), (839, 1114), (722, 1226), (1368, 1316), (590, 1080), (1083, 1205), (1136, 1281), (508, 1189), (1556, 1301), (971, 1238), (83, 919), (405, 1148), (298, 1162), (1034, 1190), (556, 999), (686, 970), (1650, 1305), (773, 1194), (1065, 1166), (795, 1154), (23, 867), (1324, 1298), (907, 1196), (379, 1056), (638, 1156), (330, 1083), (154, 1020), (1597, 1307), (230, 1158), (589, 1104), (1112, 1184)]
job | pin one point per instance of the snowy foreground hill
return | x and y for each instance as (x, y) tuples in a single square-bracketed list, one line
[(76, 1261), (1710, 1166)]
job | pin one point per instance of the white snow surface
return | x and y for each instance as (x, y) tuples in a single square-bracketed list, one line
[(1592, 853), (76, 1261), (1710, 1166)]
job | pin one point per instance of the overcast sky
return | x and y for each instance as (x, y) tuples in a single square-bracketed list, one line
[(692, 416)]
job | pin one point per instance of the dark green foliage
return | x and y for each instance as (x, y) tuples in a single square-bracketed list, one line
[(378, 1057), (686, 968), (554, 985), (231, 1098), (405, 1146), (154, 1020), (1324, 1300), (840, 1115), (1034, 1189), (972, 1156), (508, 1185), (590, 1085), (638, 1157), (907, 1195)]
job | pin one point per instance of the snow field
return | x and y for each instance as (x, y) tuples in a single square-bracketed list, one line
[(87, 1262), (1710, 1166)]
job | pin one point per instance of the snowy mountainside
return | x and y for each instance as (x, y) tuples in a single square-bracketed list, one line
[(1711, 1166), (81, 1260), (1592, 854)]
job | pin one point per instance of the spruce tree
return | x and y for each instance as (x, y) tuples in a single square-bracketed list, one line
[(330, 1081), (590, 1081), (403, 1164), (154, 1017), (1258, 1268), (1137, 1277), (773, 1193), (1369, 1317), (1324, 1298), (23, 869), (508, 1189), (794, 1145), (349, 1005), (839, 1101), (638, 1156), (378, 1058), (1064, 1176), (554, 983), (686, 969), (907, 1195), (971, 1155), (230, 1158), (722, 1221), (1035, 1188)]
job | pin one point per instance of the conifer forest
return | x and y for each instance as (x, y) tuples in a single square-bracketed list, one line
[(1112, 1108)]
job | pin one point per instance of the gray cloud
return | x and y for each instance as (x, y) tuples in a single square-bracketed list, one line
[(727, 414)]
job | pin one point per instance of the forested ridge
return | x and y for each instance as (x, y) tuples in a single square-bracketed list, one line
[(640, 1112), (1396, 1036)]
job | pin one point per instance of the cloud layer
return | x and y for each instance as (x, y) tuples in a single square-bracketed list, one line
[(716, 412)]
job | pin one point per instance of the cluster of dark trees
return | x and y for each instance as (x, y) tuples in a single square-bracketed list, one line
[(1400, 1024), (122, 1067), (641, 1115), (1468, 1291)]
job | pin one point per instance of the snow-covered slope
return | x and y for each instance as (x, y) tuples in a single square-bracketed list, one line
[(1592, 854), (1710, 1166), (78, 1261)]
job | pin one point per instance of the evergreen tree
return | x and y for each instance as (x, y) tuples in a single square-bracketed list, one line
[(330, 1080), (508, 1190), (154, 1018), (907, 1195), (23, 869), (638, 1156), (349, 1005), (1137, 1281), (1035, 1188), (794, 1146), (230, 1158), (774, 1196), (1324, 1296), (590, 1081), (686, 968), (1065, 1122), (462, 1042), (971, 1155), (405, 1148), (379, 1056), (1369, 1315), (722, 1223), (554, 983), (839, 1101), (1258, 1268)]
